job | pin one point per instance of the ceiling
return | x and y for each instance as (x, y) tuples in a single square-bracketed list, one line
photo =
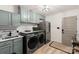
[(52, 8)]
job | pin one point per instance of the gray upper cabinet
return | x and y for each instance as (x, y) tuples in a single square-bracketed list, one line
[(16, 20), (9, 20), (5, 18), (36, 17), (24, 14), (13, 19), (33, 17), (29, 16), (41, 18)]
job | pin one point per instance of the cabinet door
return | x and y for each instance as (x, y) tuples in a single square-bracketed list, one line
[(5, 18), (29, 16), (18, 46), (6, 49), (41, 18), (37, 18), (24, 14), (34, 17), (15, 19)]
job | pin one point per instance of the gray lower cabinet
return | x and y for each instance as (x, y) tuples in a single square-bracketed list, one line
[(18, 46), (6, 47), (11, 47)]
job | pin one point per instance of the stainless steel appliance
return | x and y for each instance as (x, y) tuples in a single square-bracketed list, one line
[(46, 26), (30, 42), (41, 38)]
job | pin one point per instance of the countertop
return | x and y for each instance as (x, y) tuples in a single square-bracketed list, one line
[(2, 40), (32, 32)]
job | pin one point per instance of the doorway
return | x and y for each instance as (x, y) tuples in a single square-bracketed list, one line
[(69, 30)]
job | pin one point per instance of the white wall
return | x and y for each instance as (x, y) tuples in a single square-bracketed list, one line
[(24, 27), (56, 21)]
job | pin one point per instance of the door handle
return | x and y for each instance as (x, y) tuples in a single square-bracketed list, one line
[(62, 30)]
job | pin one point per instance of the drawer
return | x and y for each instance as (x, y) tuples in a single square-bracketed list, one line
[(5, 43)]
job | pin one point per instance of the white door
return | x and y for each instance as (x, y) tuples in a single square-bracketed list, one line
[(69, 30)]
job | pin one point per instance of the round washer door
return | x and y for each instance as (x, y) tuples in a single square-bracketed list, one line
[(32, 43), (41, 38)]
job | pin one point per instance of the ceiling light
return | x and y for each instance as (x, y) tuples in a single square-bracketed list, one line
[(45, 8)]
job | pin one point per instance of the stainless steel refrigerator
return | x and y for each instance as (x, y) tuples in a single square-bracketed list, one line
[(46, 26)]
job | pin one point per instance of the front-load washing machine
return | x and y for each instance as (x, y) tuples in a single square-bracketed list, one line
[(41, 38), (30, 43)]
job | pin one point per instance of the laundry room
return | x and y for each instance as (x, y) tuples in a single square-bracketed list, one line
[(39, 29)]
